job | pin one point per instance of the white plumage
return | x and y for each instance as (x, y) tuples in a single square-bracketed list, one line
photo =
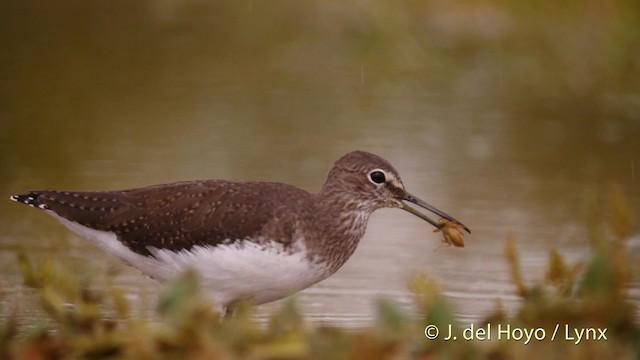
[(261, 271)]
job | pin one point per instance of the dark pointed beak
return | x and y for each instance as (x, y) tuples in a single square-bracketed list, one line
[(412, 199)]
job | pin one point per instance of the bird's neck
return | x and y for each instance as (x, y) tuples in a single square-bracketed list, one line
[(338, 222)]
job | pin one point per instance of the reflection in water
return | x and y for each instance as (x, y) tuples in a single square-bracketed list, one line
[(480, 123)]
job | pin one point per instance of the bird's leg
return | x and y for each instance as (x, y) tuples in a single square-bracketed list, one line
[(228, 312)]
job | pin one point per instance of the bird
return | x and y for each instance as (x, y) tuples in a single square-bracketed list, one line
[(246, 240)]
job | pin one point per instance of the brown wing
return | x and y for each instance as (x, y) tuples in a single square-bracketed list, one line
[(180, 215)]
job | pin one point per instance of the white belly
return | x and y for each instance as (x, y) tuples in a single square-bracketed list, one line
[(246, 270), (262, 272)]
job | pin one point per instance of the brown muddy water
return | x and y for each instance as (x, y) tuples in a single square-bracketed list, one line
[(98, 96)]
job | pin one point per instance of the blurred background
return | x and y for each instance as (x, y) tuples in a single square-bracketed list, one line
[(513, 116)]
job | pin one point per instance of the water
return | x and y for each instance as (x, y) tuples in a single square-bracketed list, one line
[(131, 95)]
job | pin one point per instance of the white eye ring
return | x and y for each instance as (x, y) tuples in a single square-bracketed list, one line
[(377, 177)]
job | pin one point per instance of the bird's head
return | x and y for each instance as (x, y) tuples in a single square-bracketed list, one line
[(369, 181)]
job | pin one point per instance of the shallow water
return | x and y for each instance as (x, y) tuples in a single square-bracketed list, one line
[(158, 94)]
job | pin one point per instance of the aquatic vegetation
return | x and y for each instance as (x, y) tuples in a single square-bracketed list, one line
[(576, 311)]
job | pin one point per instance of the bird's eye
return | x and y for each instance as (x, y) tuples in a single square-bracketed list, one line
[(377, 176)]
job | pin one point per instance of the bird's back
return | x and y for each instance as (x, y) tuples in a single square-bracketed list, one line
[(180, 215)]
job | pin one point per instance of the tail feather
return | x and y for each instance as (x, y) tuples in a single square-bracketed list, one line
[(30, 199)]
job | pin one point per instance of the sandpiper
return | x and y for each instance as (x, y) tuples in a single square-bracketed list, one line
[(260, 241)]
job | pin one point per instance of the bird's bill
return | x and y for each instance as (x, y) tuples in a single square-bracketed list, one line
[(423, 204)]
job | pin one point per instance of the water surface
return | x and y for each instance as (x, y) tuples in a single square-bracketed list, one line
[(131, 95)]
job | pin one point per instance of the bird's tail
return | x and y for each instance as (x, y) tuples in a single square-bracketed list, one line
[(30, 199)]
